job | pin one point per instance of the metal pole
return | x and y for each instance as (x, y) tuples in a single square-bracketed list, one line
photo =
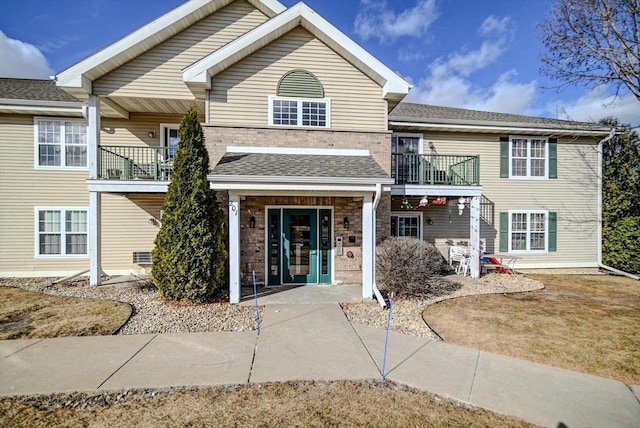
[(386, 340)]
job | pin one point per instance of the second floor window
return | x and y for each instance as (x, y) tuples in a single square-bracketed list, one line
[(528, 157), (61, 143), (299, 112)]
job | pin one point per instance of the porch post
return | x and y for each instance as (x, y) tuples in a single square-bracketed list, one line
[(474, 236), (234, 248), (95, 238), (95, 198), (368, 247), (93, 135)]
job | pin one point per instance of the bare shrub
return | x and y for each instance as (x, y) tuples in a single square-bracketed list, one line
[(411, 267)]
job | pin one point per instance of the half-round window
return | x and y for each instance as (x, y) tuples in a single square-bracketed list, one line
[(300, 84)]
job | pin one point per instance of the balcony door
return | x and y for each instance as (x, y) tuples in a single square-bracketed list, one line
[(406, 169), (169, 138)]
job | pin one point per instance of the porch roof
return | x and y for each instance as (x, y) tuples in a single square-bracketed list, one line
[(288, 171)]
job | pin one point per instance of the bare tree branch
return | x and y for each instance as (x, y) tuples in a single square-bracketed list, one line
[(593, 42)]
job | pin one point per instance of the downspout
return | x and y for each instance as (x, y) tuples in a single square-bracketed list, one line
[(376, 201), (612, 133)]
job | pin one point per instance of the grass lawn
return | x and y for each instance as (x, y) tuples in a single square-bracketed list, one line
[(26, 314), (307, 403), (588, 323)]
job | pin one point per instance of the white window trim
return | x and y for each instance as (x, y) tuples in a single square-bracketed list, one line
[(546, 231), (36, 157), (63, 232), (528, 176), (412, 214), (272, 98), (412, 135)]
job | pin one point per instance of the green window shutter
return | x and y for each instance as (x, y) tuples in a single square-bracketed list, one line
[(553, 158), (504, 232), (504, 157), (553, 231), (300, 84)]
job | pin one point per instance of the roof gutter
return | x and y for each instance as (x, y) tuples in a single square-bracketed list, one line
[(498, 128), (612, 133)]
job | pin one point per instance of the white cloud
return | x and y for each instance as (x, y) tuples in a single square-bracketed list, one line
[(375, 19), (597, 104), (22, 60), (447, 82)]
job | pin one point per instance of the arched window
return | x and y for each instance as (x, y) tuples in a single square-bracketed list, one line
[(299, 101)]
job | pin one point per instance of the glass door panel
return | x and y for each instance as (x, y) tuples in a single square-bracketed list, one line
[(300, 246)]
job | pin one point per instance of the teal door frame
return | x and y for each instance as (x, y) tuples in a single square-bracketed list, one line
[(299, 243)]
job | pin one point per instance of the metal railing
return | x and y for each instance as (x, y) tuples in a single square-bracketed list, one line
[(135, 163), (450, 170)]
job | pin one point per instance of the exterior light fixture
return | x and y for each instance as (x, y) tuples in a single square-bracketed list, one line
[(345, 223), (429, 221), (461, 204), (151, 134), (252, 222)]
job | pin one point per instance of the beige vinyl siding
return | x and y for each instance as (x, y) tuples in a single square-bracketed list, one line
[(135, 132), (127, 226), (158, 72), (573, 195), (125, 220), (22, 188), (240, 94)]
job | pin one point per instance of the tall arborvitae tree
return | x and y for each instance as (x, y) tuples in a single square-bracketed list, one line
[(189, 258), (621, 201)]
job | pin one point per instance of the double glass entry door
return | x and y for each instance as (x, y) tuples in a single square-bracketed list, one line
[(299, 246)]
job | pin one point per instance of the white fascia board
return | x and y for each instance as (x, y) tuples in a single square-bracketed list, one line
[(418, 190), (297, 151), (148, 36), (127, 186), (271, 180), (268, 7), (41, 107), (392, 83), (505, 128), (293, 188)]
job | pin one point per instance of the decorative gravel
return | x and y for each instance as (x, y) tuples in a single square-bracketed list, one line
[(151, 314), (407, 312)]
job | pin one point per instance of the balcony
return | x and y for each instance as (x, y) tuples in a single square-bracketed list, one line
[(135, 163), (444, 170)]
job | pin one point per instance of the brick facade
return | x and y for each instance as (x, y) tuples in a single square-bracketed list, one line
[(252, 240)]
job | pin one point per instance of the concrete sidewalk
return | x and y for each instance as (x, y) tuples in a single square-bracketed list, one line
[(316, 342)]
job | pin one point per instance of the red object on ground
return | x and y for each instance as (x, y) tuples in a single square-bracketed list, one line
[(499, 266)]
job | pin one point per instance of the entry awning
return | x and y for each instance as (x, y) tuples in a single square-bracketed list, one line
[(247, 172)]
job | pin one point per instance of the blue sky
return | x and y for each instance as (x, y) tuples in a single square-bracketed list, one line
[(461, 53)]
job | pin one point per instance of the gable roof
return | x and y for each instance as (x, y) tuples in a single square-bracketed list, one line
[(79, 77), (34, 96), (198, 75), (424, 116)]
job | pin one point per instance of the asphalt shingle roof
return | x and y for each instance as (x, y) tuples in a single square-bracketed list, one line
[(32, 89), (298, 165), (408, 112)]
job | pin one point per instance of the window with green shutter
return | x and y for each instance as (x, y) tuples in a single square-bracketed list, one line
[(530, 158), (528, 231)]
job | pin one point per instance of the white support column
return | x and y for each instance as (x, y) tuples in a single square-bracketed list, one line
[(234, 248), (93, 135), (95, 238), (474, 236), (368, 247)]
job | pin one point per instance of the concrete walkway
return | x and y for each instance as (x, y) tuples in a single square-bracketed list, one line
[(315, 341)]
